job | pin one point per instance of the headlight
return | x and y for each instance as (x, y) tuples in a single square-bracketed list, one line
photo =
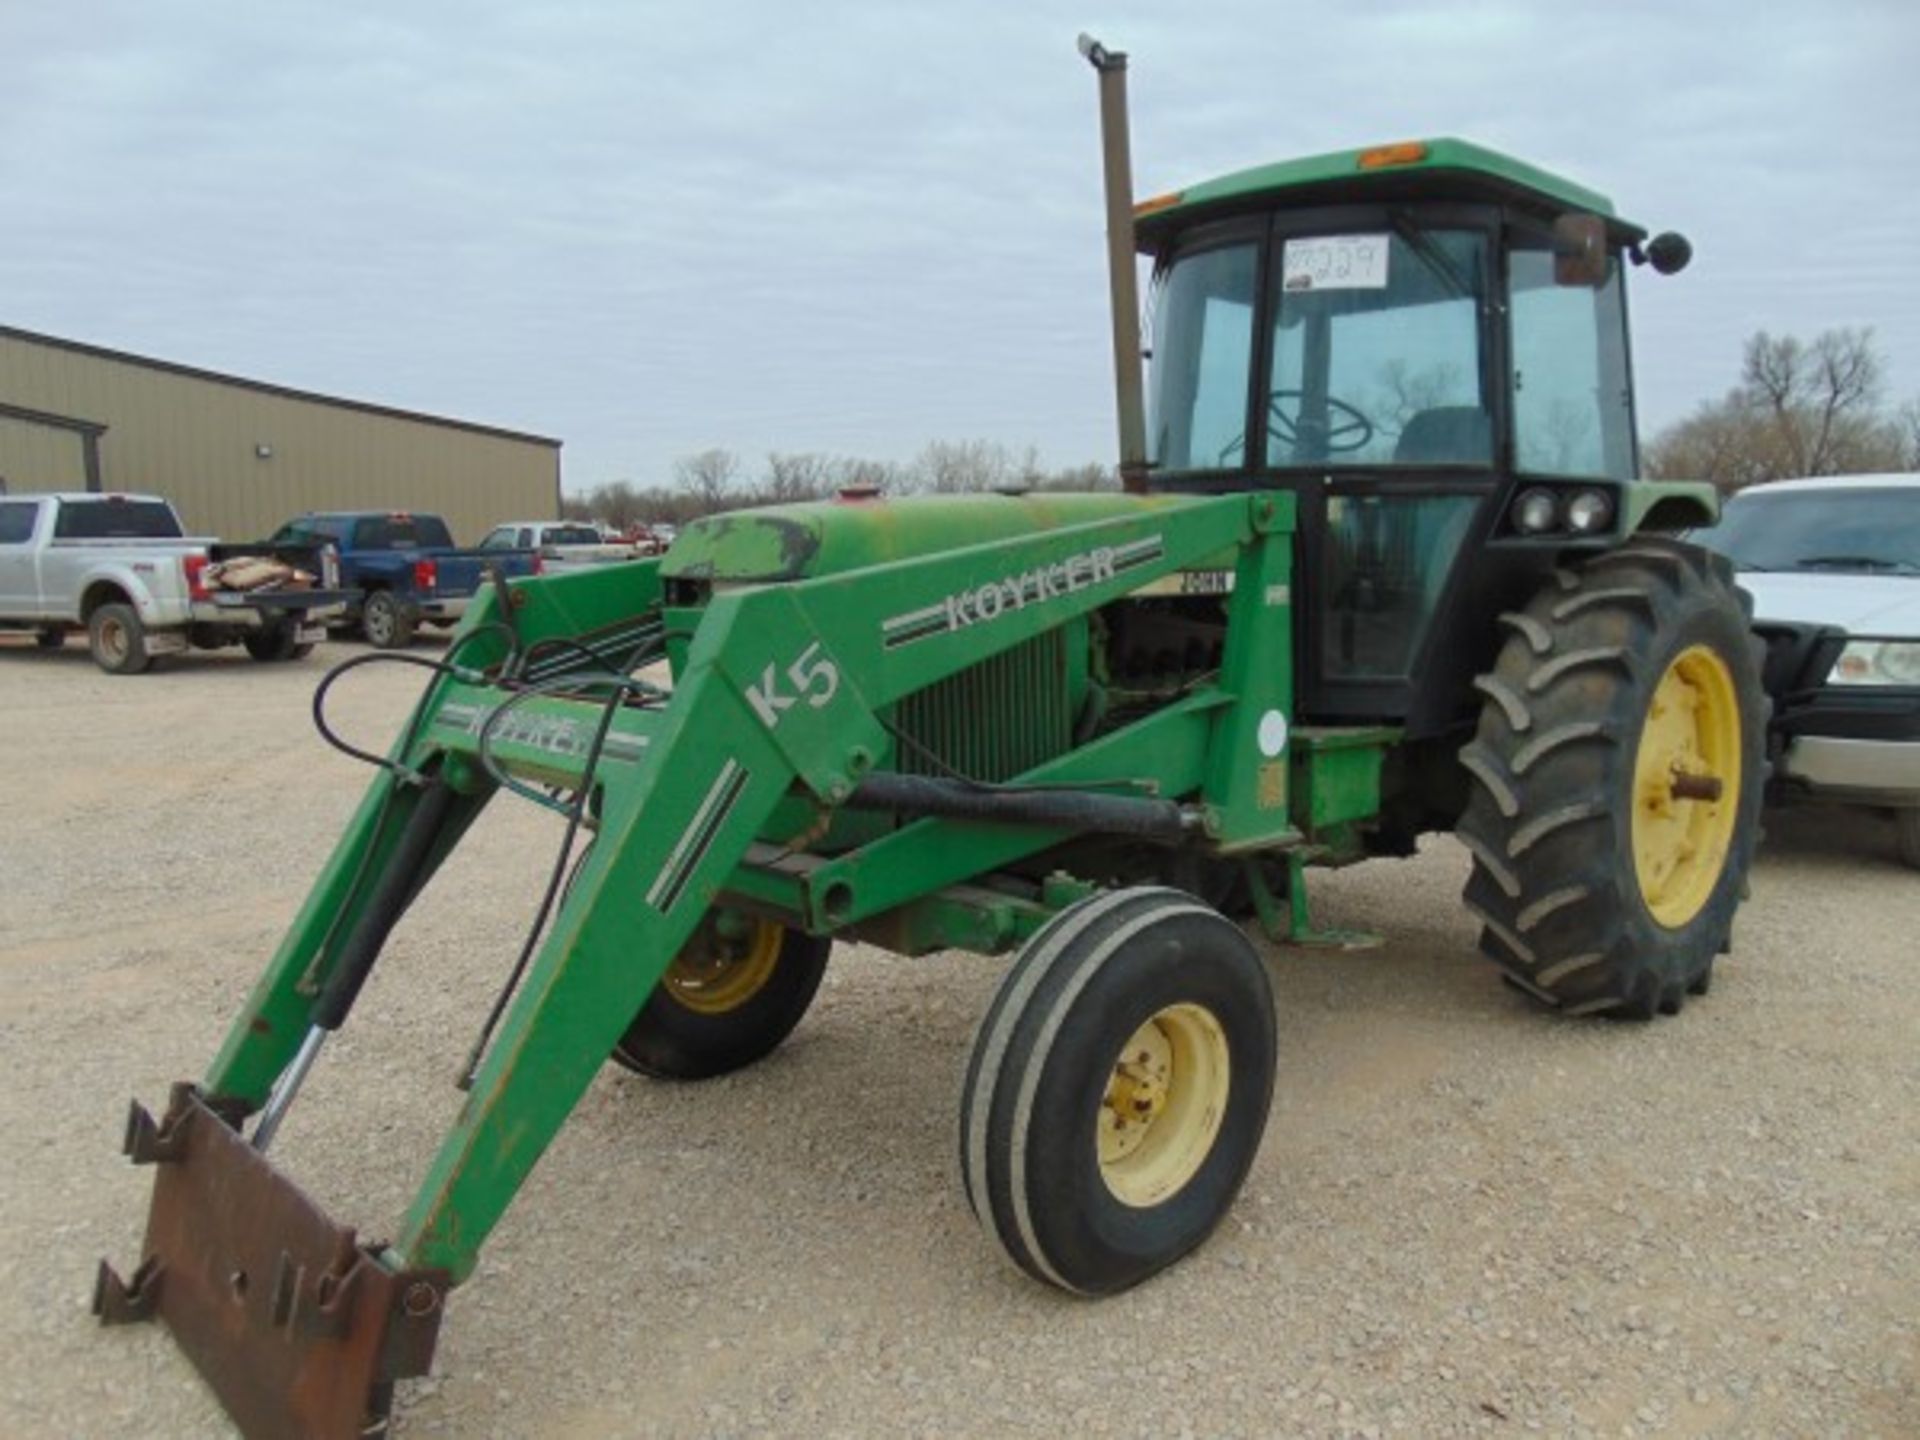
[(1589, 512), (1877, 662), (1536, 512)]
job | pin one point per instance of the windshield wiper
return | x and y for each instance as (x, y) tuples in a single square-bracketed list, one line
[(1855, 562)]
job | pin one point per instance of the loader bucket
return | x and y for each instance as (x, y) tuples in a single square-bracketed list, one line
[(298, 1328)]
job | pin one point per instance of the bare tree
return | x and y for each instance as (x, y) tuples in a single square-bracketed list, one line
[(1906, 424), (706, 478), (793, 477), (1813, 393), (1800, 409), (952, 467), (1091, 476), (617, 503), (709, 482)]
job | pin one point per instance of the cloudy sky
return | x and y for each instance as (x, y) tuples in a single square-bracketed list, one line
[(853, 227)]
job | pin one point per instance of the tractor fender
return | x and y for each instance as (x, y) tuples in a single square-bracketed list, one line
[(1667, 506)]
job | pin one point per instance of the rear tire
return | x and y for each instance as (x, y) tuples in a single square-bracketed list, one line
[(118, 640), (276, 642), (1118, 1089), (386, 623), (731, 995), (1601, 891)]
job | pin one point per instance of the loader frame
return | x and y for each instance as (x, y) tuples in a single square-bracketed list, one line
[(708, 796)]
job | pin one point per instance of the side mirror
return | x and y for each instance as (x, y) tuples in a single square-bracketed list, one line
[(1580, 250)]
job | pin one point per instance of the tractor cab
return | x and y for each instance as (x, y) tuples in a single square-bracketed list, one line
[(1427, 344)]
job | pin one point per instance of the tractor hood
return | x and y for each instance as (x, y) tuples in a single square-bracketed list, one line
[(798, 542)]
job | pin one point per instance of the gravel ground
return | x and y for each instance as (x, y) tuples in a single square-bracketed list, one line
[(1466, 1218)]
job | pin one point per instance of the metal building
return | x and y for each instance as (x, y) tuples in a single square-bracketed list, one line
[(237, 457)]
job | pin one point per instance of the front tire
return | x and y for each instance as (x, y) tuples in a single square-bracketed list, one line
[(117, 640), (1118, 1089), (731, 995), (386, 623), (1617, 778)]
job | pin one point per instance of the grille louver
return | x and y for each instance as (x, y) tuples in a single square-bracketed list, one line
[(995, 720)]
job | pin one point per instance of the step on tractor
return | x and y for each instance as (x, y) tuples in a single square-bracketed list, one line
[(1380, 566)]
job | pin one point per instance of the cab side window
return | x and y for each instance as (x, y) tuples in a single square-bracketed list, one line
[(16, 521), (1572, 402)]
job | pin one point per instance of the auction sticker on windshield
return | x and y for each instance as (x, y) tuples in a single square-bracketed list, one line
[(1334, 262)]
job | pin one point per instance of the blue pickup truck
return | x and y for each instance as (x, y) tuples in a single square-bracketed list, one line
[(405, 566)]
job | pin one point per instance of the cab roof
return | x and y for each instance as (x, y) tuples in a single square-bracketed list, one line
[(1410, 169)]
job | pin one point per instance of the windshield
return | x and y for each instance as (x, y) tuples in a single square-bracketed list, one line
[(1870, 530), (1376, 350)]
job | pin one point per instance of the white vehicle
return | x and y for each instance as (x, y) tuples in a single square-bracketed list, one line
[(562, 545), (122, 568), (1833, 566)]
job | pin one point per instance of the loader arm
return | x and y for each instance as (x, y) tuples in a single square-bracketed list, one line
[(780, 696)]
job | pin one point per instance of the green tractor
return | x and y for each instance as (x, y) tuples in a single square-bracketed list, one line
[(1383, 568)]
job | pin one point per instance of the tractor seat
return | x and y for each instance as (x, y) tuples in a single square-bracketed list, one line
[(1446, 435)]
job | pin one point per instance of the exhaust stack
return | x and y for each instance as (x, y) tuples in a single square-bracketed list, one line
[(1116, 150)]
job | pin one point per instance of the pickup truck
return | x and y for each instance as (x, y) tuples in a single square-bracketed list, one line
[(564, 544), (122, 568), (1833, 566), (405, 566)]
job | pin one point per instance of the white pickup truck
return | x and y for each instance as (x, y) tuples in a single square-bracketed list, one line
[(564, 544), (121, 568), (1833, 566)]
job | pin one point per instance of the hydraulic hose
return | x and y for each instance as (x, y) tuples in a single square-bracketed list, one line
[(1061, 809)]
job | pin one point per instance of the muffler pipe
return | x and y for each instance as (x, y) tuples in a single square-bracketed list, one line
[(1122, 280)]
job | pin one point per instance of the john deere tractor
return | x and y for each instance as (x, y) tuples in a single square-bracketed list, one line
[(1382, 567)]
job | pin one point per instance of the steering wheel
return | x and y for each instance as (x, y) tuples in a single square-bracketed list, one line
[(1348, 431)]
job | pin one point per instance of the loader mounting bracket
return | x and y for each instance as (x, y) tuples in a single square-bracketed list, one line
[(299, 1328)]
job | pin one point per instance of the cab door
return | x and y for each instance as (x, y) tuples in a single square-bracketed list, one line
[(1383, 414)]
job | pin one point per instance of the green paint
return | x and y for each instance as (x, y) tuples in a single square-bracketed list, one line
[(1667, 505), (794, 542), (1460, 166), (1336, 775)]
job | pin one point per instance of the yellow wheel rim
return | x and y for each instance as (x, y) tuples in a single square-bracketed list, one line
[(1686, 786), (1163, 1105), (727, 963)]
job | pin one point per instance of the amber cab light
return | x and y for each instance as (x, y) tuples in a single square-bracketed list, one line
[(1406, 152)]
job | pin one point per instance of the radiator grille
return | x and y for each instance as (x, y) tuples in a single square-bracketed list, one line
[(994, 720)]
